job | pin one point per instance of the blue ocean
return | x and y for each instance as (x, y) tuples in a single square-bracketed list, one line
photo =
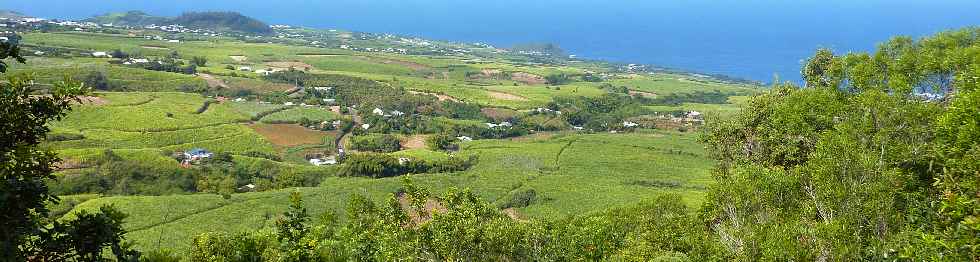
[(751, 39)]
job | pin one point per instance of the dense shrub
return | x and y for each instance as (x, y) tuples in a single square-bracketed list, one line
[(520, 199), (381, 165), (376, 143), (440, 142)]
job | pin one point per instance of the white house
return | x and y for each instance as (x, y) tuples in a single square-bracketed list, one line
[(288, 104), (578, 127), (366, 126), (173, 41), (38, 53), (100, 54), (325, 161), (239, 99), (378, 111), (397, 113), (465, 139), (322, 88), (628, 124), (245, 68), (502, 124), (404, 160), (197, 154), (694, 114)]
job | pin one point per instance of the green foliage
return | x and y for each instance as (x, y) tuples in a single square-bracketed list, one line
[(557, 79), (24, 169), (98, 81), (520, 199), (376, 143), (83, 238), (866, 163), (441, 142), (602, 113), (10, 49), (382, 165), (223, 21), (661, 229), (199, 61)]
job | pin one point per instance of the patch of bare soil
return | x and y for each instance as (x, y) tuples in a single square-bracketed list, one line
[(419, 217), (212, 80), (643, 94), (513, 214), (289, 134), (527, 78), (414, 142), (498, 114), (68, 164), (441, 97), (154, 47), (238, 58), (318, 55), (505, 96), (287, 65), (535, 136), (92, 100)]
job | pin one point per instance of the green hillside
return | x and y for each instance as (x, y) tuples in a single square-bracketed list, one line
[(216, 21)]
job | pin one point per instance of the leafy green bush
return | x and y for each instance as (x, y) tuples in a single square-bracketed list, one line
[(520, 199), (440, 142), (376, 143)]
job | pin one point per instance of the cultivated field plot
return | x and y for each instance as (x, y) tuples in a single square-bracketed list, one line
[(158, 121), (290, 135)]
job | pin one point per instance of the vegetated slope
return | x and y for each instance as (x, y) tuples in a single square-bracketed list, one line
[(131, 18), (8, 14), (223, 21), (217, 21), (598, 171)]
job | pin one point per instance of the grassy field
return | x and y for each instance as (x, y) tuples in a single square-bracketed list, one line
[(296, 114)]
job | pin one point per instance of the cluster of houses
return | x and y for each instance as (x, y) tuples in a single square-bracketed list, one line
[(504, 124), (542, 110), (381, 112), (323, 161), (195, 155)]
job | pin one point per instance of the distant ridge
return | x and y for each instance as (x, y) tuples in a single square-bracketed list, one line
[(12, 14), (217, 21)]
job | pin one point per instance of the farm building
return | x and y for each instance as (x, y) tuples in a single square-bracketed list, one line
[(323, 161), (197, 154)]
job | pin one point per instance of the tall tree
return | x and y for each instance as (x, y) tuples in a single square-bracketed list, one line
[(24, 169)]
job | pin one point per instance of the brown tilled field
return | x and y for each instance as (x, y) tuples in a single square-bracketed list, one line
[(289, 134)]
